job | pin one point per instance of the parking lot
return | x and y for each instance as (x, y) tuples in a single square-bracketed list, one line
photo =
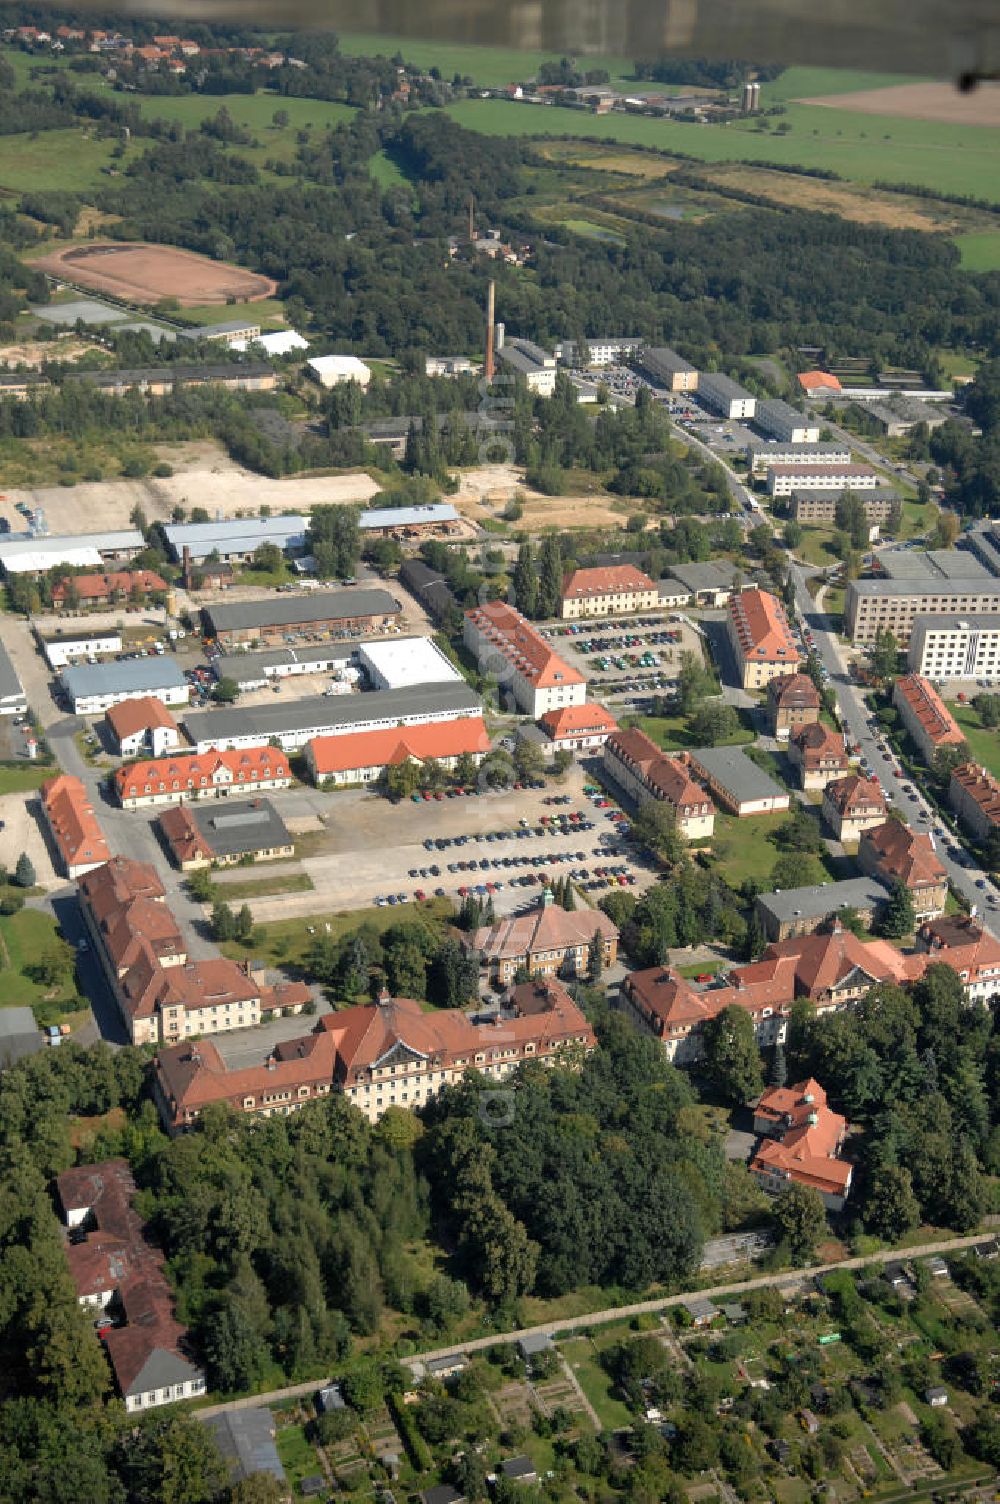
[(626, 660)]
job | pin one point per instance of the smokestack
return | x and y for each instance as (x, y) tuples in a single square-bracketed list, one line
[(472, 219), (490, 311), (186, 564)]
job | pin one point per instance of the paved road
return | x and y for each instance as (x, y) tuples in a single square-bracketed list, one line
[(854, 716), (616, 1313)]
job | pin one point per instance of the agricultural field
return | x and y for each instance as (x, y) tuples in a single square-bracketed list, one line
[(979, 250), (71, 160), (254, 112), (489, 66)]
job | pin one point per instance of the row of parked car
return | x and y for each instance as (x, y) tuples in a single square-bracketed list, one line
[(549, 825)]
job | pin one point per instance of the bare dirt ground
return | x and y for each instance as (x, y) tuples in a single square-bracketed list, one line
[(23, 832), (32, 352), (484, 492), (931, 101), (147, 273), (204, 476), (847, 202)]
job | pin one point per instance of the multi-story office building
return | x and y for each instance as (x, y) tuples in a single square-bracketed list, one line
[(894, 605), (669, 370), (786, 480), (507, 647), (725, 396), (955, 647), (821, 505)]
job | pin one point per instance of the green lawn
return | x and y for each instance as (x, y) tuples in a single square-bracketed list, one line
[(810, 83), (268, 312), (267, 885), (980, 250), (252, 111), (983, 743), (286, 941), (860, 148), (582, 1356), (387, 173), (23, 937), (22, 778), (671, 733), (743, 850), (298, 1456), (72, 160), (591, 231)]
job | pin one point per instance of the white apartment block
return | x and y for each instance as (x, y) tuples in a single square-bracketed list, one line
[(508, 648), (605, 350), (761, 454), (782, 480), (779, 420), (955, 647), (725, 396)]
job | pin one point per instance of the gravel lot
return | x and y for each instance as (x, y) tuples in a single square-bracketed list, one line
[(22, 817)]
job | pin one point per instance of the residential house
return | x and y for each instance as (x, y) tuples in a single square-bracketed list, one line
[(74, 827), (974, 795), (973, 952), (792, 701), (578, 728), (145, 725), (852, 805), (818, 754), (548, 940), (894, 852), (926, 717), (638, 766), (802, 1139)]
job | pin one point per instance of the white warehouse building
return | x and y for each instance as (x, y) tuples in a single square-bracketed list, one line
[(404, 661), (955, 647), (91, 689)]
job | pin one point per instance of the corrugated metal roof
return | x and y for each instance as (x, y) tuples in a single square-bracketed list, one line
[(290, 610), (137, 673)]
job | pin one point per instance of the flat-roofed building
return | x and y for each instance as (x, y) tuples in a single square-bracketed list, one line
[(328, 612), (955, 647), (821, 505), (974, 795), (602, 350), (735, 782), (335, 761), (818, 754), (508, 648), (761, 454), (784, 480), (334, 370), (612, 591), (298, 722), (790, 912), (38, 553), (925, 715), (725, 396), (536, 366), (893, 852), (893, 605), (762, 641), (934, 564), (644, 772), (60, 652), (13, 700), (73, 825), (668, 369), (93, 688), (792, 701), (852, 805), (160, 381), (224, 835), (402, 662), (779, 420)]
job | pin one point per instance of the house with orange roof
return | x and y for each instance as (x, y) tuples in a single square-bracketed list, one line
[(818, 754), (801, 1143), (384, 1054), (818, 383), (792, 701), (926, 716), (576, 728), (509, 649), (547, 941), (144, 725), (109, 589), (852, 805), (960, 942), (762, 641), (209, 775), (974, 795), (363, 756), (613, 590), (894, 852), (643, 772), (74, 827)]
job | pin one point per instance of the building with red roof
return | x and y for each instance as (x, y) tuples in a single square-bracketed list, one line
[(792, 701), (961, 943), (818, 383), (111, 589), (852, 805), (638, 766), (974, 795), (926, 716), (801, 1143), (578, 727), (384, 1054), (363, 756), (208, 775), (546, 941), (144, 725), (509, 649), (113, 1262), (819, 755), (761, 639), (614, 590), (894, 852), (73, 825)]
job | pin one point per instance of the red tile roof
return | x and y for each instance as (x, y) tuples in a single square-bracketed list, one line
[(118, 582), (793, 692), (182, 835), (193, 771), (667, 778), (615, 579), (75, 828), (904, 854), (853, 795), (817, 744), (818, 381), (371, 749), (979, 785), (922, 703), (130, 716), (517, 640), (578, 720), (761, 627)]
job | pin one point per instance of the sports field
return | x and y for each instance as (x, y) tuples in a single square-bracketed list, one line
[(146, 273)]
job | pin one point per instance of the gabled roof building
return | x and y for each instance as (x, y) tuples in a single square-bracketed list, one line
[(212, 775), (548, 940), (507, 647), (894, 852), (926, 717), (801, 1143), (792, 701), (852, 805), (614, 590), (818, 754), (638, 766), (761, 639), (74, 827), (364, 756)]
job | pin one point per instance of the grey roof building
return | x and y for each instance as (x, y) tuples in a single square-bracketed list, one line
[(13, 700), (736, 781), (662, 362), (714, 578), (232, 373), (933, 564), (296, 723), (782, 421), (245, 1439), (236, 538), (533, 1343), (89, 683), (234, 828), (72, 548), (252, 670), (20, 1036), (801, 911), (983, 539), (725, 396), (299, 610)]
